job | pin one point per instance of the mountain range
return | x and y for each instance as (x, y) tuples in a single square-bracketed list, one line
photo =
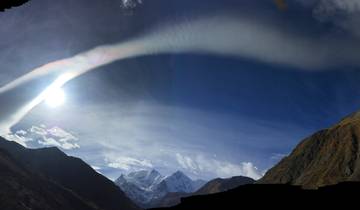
[(327, 161), (44, 179), (146, 187), (213, 186), (49, 179)]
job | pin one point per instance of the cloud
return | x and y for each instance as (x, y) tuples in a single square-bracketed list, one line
[(130, 4), (344, 14), (277, 156), (201, 164), (19, 137), (44, 136), (244, 37), (331, 7), (129, 136), (127, 163)]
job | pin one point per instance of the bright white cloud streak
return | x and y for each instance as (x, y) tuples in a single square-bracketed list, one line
[(230, 36)]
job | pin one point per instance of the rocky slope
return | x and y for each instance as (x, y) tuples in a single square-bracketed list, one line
[(22, 189), (68, 173), (328, 157)]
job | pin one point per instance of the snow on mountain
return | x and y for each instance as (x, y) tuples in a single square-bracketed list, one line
[(179, 182), (144, 187), (144, 179)]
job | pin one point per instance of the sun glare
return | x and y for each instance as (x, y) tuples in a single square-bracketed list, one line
[(55, 98)]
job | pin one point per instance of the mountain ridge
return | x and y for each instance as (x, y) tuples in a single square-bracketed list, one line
[(70, 173), (22, 189), (327, 157), (213, 186), (145, 187)]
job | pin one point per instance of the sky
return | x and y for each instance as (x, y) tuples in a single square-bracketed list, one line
[(214, 88)]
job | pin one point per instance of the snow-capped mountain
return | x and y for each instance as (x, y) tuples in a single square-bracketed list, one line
[(179, 182), (145, 187), (143, 179)]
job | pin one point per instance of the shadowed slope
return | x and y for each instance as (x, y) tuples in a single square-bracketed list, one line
[(21, 189), (328, 157), (71, 173)]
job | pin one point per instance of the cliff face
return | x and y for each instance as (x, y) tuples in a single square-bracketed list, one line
[(327, 157)]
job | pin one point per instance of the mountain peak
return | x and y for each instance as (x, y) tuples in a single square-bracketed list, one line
[(147, 186), (179, 182), (179, 173), (52, 170), (144, 179), (328, 157), (352, 118), (154, 172)]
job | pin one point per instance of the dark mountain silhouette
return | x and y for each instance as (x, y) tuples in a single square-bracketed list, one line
[(328, 157), (68, 172), (221, 185), (7, 4), (280, 196), (170, 199), (213, 186), (21, 189)]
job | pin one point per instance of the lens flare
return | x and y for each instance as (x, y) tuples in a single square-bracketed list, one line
[(55, 98)]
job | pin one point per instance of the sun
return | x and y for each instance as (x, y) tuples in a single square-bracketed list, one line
[(55, 98)]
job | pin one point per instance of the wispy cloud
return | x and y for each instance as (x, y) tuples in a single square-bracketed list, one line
[(246, 37), (19, 137), (277, 156), (125, 137), (200, 164), (131, 3), (331, 7), (344, 14), (127, 163)]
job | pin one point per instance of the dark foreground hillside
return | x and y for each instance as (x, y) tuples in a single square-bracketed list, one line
[(48, 179), (22, 189), (274, 197)]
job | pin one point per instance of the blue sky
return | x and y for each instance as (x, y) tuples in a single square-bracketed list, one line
[(207, 114)]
